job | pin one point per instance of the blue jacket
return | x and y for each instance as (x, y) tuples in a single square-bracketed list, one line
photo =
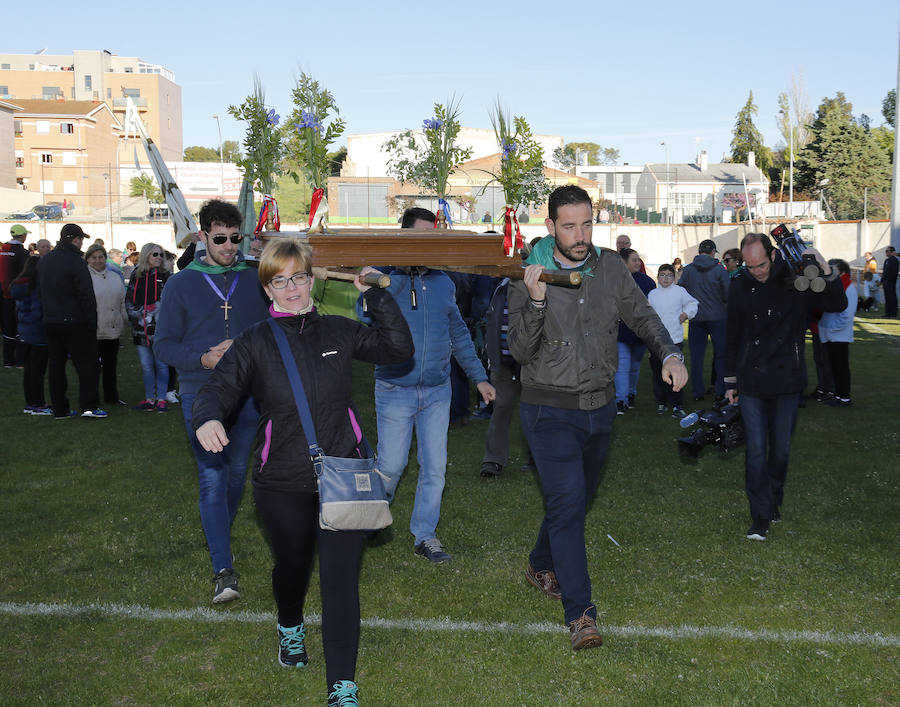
[(708, 282), (191, 319), (437, 328), (626, 336), (29, 312), (838, 326)]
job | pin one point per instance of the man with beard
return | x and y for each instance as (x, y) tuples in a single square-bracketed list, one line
[(565, 340), (203, 308)]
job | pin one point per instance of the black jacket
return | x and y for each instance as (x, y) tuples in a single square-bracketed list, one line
[(67, 292), (324, 347), (889, 273), (142, 304), (767, 329)]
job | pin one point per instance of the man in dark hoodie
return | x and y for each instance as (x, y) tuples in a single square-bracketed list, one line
[(707, 281)]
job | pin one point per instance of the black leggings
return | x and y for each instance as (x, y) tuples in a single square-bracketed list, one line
[(839, 358), (292, 523)]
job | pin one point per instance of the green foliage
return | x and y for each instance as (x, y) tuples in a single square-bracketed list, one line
[(747, 138), (263, 149), (307, 135), (145, 185), (429, 156), (336, 159), (196, 153), (231, 151), (889, 107), (596, 154), (850, 157), (521, 160)]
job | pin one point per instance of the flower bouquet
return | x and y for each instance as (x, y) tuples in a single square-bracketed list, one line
[(521, 172), (428, 157), (308, 142)]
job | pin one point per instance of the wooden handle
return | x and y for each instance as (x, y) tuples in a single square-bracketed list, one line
[(566, 278), (372, 279)]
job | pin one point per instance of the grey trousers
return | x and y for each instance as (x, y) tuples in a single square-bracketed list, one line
[(496, 444)]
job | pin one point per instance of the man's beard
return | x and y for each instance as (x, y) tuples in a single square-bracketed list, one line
[(219, 259), (569, 254)]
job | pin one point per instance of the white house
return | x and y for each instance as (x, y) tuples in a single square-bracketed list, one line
[(618, 182)]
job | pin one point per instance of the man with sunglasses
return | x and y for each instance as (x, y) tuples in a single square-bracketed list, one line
[(203, 308)]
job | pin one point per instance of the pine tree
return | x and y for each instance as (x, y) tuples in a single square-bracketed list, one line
[(847, 155), (747, 138)]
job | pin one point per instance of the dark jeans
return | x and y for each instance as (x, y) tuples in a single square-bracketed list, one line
[(768, 424), (698, 332), (496, 443), (460, 394), (824, 377), (569, 448), (33, 375), (662, 391), (108, 350), (13, 350), (839, 360), (78, 341), (292, 524)]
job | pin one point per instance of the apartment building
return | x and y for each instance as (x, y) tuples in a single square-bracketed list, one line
[(66, 151), (101, 76)]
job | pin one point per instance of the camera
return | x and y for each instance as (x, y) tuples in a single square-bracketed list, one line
[(807, 273), (721, 426)]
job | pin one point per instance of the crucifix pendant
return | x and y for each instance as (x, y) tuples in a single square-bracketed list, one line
[(226, 307)]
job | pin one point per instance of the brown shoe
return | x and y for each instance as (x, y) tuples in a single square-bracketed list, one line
[(584, 633), (545, 581)]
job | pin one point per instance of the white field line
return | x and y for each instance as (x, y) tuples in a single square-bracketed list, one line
[(206, 615)]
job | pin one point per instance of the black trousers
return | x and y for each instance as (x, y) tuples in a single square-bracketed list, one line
[(292, 523), (890, 297), (662, 391), (13, 351), (108, 351), (78, 341), (839, 359), (33, 375)]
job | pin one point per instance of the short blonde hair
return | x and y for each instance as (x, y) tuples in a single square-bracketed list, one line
[(279, 253)]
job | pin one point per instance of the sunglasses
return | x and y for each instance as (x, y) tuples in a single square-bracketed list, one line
[(155, 255), (234, 238)]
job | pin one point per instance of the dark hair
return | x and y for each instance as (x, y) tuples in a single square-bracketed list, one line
[(758, 238), (842, 266), (93, 249), (416, 213), (666, 267), (221, 212), (565, 196), (30, 270), (626, 253), (732, 253)]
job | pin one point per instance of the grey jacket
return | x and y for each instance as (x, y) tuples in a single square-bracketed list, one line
[(707, 281), (568, 348)]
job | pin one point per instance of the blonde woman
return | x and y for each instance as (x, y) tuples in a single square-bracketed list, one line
[(142, 304)]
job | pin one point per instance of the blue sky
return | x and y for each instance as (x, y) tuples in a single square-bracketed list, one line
[(626, 75)]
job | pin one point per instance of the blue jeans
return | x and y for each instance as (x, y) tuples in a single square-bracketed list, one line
[(427, 408), (155, 372), (569, 448), (768, 424), (629, 369), (698, 332), (221, 477)]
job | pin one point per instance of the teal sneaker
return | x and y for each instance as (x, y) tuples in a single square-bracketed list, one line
[(344, 693), (291, 651)]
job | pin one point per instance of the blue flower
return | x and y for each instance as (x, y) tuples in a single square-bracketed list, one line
[(309, 120), (432, 123), (272, 118), (509, 149)]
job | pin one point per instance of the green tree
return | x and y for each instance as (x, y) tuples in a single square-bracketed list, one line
[(849, 157), (596, 154), (747, 138), (196, 153), (231, 151), (337, 159), (145, 185), (889, 107)]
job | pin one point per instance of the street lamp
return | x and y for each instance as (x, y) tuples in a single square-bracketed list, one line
[(791, 151), (221, 160), (668, 210)]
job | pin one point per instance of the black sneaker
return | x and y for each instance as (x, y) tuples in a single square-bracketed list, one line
[(758, 530), (344, 693), (291, 649), (631, 400), (433, 550), (836, 401), (621, 407), (491, 469), (661, 409), (776, 516), (226, 589)]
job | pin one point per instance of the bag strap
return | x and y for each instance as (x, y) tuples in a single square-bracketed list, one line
[(290, 365)]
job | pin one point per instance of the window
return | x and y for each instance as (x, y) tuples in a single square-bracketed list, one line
[(4, 67), (67, 128), (168, 102), (133, 92), (20, 161), (610, 183), (626, 182), (87, 83), (42, 127), (69, 158), (51, 93), (109, 93), (47, 186), (17, 127), (46, 158), (129, 69), (70, 186), (4, 91), (169, 122)]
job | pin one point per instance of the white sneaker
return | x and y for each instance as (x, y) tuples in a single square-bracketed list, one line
[(171, 397)]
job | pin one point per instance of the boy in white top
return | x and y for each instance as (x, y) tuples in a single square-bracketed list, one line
[(674, 306)]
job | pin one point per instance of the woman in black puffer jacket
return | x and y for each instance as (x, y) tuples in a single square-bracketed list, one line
[(284, 485)]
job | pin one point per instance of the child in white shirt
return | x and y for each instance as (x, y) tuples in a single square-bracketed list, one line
[(674, 306)]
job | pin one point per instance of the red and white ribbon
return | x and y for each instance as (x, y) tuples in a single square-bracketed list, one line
[(318, 207), (512, 235), (269, 208)]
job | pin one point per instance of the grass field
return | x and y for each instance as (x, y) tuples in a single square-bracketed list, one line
[(105, 579)]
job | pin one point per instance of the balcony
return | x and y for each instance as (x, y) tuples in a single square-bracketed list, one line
[(121, 103)]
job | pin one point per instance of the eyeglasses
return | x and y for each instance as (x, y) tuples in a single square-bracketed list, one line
[(155, 255), (234, 238), (300, 278), (726, 260)]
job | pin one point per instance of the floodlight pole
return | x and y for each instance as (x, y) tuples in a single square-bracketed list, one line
[(221, 159), (895, 188)]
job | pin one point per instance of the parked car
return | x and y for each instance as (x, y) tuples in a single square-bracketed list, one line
[(49, 212), (22, 216)]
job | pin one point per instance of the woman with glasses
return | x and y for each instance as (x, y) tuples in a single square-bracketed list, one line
[(142, 304), (109, 291), (284, 484)]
